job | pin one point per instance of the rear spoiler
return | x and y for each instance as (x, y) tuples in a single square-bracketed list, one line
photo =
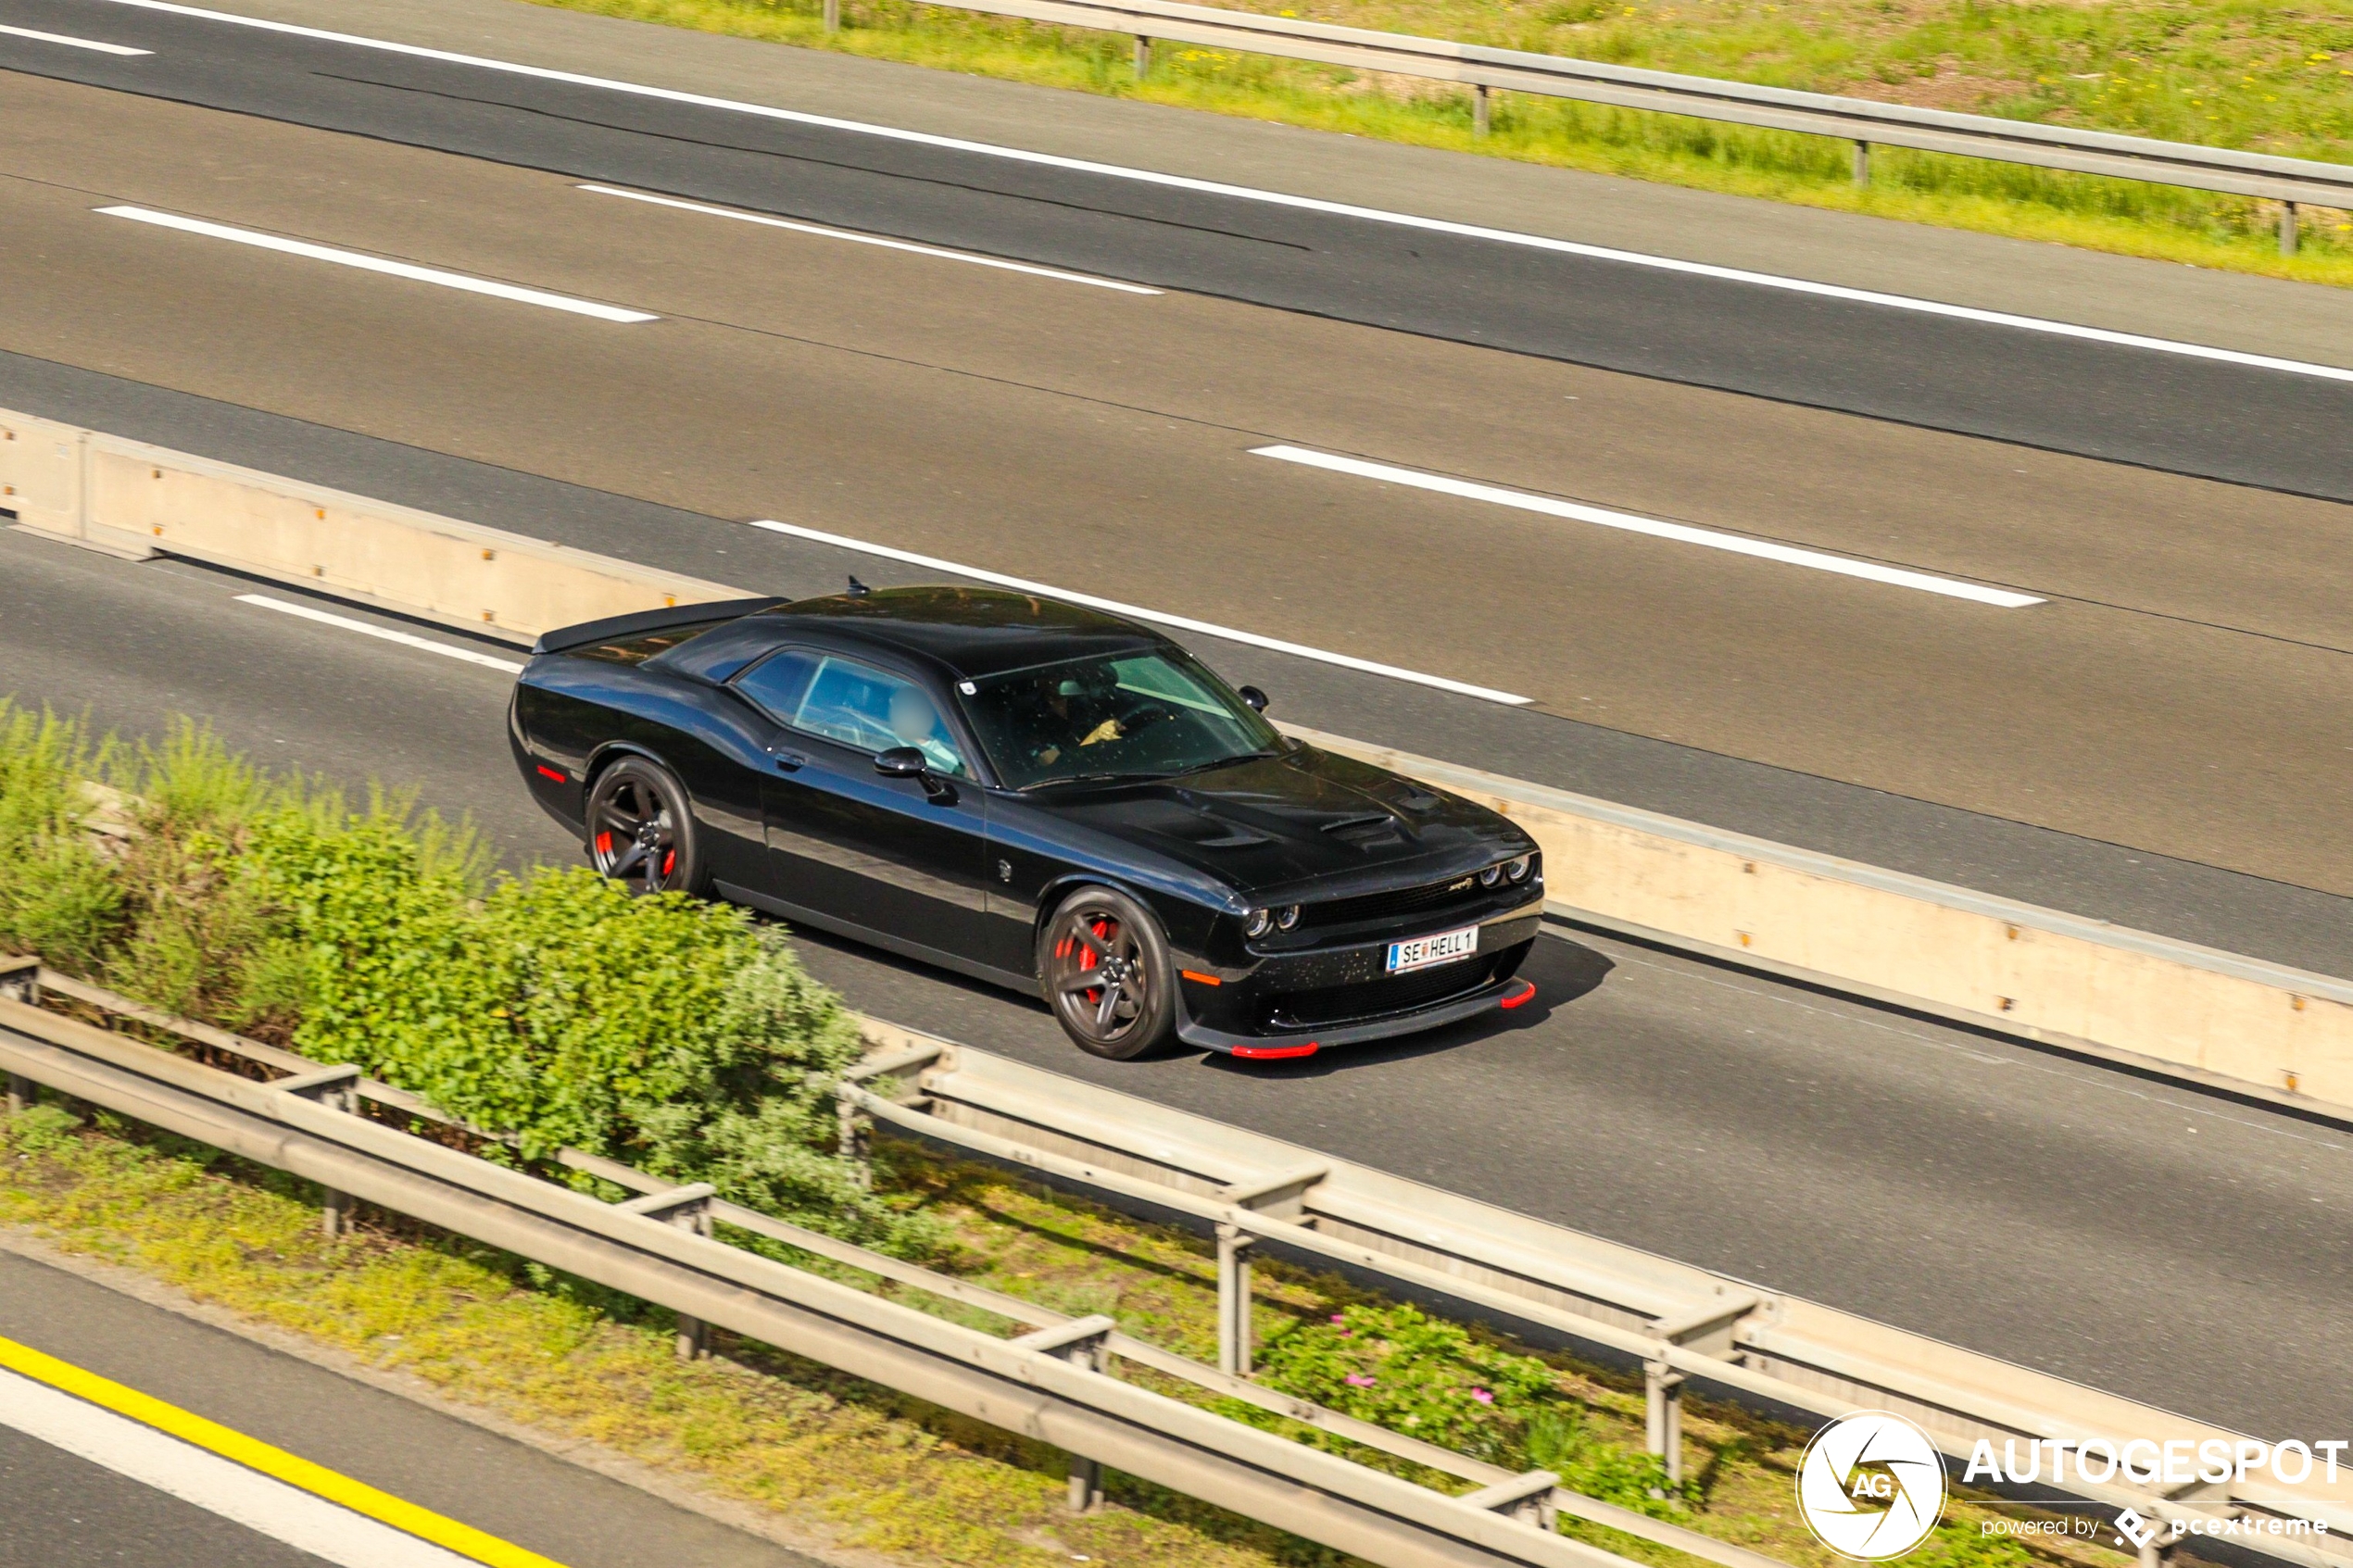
[(641, 621)]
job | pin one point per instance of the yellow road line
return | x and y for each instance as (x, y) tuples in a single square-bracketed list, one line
[(254, 1454)]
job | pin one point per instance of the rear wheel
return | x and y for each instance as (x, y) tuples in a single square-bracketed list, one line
[(641, 828), (1105, 970)]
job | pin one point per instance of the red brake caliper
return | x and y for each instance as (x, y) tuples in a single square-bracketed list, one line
[(604, 845), (1101, 929), (669, 864)]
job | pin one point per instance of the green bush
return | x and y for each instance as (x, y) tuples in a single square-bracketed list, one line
[(676, 1035)]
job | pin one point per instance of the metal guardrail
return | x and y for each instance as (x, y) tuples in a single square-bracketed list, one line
[(2292, 181), (1052, 1383), (1679, 1323)]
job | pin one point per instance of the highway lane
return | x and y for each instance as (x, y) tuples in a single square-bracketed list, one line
[(2181, 691), (2232, 421), (64, 1508), (2199, 903), (2177, 1248)]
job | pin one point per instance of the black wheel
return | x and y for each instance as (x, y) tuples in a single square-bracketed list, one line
[(641, 828), (1104, 968)]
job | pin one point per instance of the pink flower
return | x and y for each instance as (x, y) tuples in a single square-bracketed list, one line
[(1359, 1380), (1339, 1317), (1482, 1395), (1348, 1334)]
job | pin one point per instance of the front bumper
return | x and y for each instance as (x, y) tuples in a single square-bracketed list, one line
[(1349, 993)]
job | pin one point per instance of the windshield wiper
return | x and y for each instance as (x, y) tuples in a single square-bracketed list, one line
[(1094, 778), (1227, 761)]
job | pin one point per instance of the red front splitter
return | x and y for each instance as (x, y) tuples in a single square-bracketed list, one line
[(1263, 1053), (1526, 993)]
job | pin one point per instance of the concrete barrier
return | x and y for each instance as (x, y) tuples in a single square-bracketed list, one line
[(2153, 1002), (2148, 1002), (133, 500)]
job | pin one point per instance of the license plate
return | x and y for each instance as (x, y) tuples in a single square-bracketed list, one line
[(1426, 952)]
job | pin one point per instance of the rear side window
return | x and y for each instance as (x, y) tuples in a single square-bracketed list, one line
[(777, 684)]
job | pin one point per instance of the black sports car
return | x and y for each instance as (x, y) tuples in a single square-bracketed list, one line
[(1037, 795)]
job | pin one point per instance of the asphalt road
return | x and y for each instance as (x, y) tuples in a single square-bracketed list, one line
[(2181, 693), (2218, 420), (65, 1509), (2185, 1251)]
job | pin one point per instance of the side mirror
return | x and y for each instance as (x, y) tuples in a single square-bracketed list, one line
[(1252, 695), (907, 762)]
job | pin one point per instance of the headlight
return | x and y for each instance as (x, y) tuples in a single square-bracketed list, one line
[(1288, 918), (1517, 869), (1492, 876), (1258, 922)]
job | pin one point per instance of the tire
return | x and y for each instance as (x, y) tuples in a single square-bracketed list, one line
[(641, 828), (1090, 932)]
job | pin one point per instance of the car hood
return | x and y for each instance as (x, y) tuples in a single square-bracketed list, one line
[(1272, 825)]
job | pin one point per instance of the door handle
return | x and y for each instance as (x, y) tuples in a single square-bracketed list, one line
[(790, 762)]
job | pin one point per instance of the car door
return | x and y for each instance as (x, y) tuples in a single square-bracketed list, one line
[(892, 858)]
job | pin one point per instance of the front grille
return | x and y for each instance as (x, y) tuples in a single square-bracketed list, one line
[(1378, 998), (1393, 901)]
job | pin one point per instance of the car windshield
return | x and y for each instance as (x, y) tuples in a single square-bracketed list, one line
[(1140, 714)]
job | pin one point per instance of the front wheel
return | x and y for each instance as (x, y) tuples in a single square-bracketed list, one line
[(641, 828), (1105, 970)]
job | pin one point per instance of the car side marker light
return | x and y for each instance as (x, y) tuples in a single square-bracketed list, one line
[(1526, 992), (1264, 1053), (1204, 979), (547, 772)]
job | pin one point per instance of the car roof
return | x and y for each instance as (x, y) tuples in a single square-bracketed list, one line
[(968, 633)]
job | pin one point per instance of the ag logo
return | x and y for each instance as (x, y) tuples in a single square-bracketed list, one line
[(1871, 1486)]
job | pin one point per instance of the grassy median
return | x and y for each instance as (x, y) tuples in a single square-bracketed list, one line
[(2273, 76)]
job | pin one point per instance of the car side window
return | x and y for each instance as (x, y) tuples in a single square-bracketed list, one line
[(873, 710), (776, 684)]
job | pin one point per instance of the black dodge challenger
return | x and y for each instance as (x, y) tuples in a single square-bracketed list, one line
[(1035, 794)]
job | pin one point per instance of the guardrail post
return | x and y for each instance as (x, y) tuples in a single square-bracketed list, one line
[(688, 1208), (1479, 121), (2287, 228), (21, 982), (854, 1141), (1663, 1415), (1234, 1345), (1528, 1499), (1143, 56), (337, 1088), (1084, 1342), (1862, 164), (832, 15)]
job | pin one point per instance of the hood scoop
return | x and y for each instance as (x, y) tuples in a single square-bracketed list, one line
[(1363, 828)]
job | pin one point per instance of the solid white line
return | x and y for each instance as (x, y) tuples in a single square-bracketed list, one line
[(1279, 199), (387, 634), (378, 264), (74, 42), (869, 240), (1158, 618), (260, 1503), (1681, 532)]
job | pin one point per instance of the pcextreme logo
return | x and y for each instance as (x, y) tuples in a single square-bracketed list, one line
[(1871, 1486)]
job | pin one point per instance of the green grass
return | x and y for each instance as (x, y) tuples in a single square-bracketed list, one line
[(2273, 76)]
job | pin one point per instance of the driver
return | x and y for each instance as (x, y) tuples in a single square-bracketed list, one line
[(1065, 710), (915, 722)]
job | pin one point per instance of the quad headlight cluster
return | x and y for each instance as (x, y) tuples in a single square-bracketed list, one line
[(1258, 922), (1516, 869)]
